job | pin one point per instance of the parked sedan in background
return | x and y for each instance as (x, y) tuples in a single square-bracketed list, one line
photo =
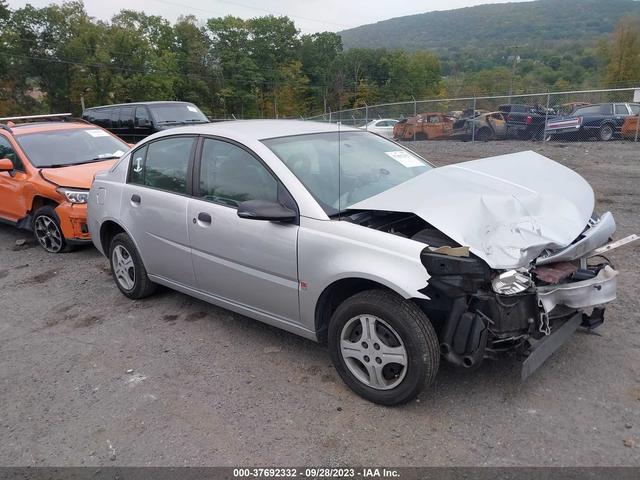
[(602, 121), (347, 238), (46, 169), (382, 126)]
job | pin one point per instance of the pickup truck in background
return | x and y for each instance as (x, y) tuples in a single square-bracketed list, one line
[(603, 121), (525, 122)]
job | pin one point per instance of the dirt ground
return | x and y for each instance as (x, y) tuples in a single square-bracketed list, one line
[(88, 377)]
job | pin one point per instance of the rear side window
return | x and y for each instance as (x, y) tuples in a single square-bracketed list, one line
[(162, 164), (126, 117), (230, 175), (101, 116), (142, 117)]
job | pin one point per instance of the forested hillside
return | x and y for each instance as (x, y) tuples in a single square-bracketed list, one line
[(53, 56), (541, 23)]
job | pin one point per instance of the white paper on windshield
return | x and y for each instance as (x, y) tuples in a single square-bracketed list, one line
[(192, 109), (405, 158), (118, 153), (97, 133)]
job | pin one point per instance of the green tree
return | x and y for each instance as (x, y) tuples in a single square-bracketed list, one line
[(624, 54)]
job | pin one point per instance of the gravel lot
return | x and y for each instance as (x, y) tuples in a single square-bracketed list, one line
[(209, 387)]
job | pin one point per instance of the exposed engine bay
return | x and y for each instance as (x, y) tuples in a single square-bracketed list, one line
[(480, 312)]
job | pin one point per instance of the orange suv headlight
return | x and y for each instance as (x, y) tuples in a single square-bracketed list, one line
[(74, 195)]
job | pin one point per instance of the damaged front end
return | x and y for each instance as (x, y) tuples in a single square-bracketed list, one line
[(530, 311)]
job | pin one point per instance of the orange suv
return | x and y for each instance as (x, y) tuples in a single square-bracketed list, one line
[(46, 169)]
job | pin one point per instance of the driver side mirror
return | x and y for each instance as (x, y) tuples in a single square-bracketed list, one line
[(143, 122), (6, 165), (264, 210)]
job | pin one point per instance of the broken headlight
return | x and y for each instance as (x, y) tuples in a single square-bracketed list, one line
[(511, 282), (74, 196)]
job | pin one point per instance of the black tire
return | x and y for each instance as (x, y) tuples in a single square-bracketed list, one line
[(141, 286), (47, 231), (414, 330), (421, 136), (606, 132)]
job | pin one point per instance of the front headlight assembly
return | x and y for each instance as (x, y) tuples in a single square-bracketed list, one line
[(511, 282), (74, 195)]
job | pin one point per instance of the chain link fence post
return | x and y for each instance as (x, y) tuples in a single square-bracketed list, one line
[(473, 120), (366, 116), (415, 114), (546, 117)]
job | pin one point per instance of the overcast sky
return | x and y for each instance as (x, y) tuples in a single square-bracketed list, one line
[(309, 15)]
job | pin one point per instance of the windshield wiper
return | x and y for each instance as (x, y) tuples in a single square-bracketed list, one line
[(100, 159)]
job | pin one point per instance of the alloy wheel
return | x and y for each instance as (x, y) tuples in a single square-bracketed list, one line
[(123, 267), (373, 352), (48, 234)]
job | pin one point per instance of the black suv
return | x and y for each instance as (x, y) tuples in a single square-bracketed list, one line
[(134, 121)]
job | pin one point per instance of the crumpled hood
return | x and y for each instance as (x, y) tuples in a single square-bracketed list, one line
[(76, 176), (506, 209)]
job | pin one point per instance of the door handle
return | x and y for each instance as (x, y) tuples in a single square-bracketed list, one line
[(204, 218), (136, 198)]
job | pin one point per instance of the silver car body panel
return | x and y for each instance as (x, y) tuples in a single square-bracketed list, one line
[(507, 209), (595, 236)]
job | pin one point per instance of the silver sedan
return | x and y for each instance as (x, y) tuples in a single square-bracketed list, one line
[(347, 238)]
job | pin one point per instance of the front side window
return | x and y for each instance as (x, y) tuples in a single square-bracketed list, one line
[(7, 151), (230, 175), (60, 148), (162, 164), (341, 169)]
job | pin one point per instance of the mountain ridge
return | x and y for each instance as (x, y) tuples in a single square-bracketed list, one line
[(540, 22)]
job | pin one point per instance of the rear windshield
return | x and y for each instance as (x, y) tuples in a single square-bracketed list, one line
[(70, 147), (177, 113)]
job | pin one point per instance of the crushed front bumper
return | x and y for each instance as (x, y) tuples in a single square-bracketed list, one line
[(584, 294)]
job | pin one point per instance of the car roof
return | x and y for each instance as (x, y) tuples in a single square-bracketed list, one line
[(131, 104), (40, 127), (259, 129)]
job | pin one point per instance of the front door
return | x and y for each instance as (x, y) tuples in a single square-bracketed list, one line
[(251, 263), (13, 204), (154, 207)]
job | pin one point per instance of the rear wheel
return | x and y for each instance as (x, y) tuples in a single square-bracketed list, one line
[(47, 231), (384, 347), (128, 270), (606, 132)]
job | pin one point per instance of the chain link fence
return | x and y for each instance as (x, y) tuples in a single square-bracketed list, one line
[(588, 115)]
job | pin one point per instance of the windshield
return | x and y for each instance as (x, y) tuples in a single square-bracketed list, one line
[(61, 148), (342, 168), (177, 113)]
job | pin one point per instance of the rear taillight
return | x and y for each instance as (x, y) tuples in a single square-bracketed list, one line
[(529, 119)]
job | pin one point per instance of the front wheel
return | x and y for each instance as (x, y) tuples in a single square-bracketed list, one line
[(128, 270), (47, 231), (384, 347)]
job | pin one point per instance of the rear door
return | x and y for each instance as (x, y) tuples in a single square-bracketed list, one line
[(251, 263), (154, 206)]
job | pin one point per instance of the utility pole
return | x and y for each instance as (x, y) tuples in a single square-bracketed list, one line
[(516, 60)]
